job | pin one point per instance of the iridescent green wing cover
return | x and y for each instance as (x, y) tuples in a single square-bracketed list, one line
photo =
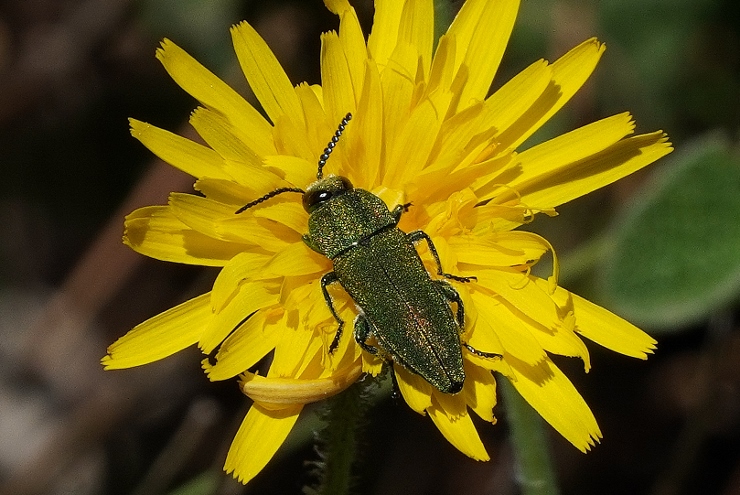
[(410, 316)]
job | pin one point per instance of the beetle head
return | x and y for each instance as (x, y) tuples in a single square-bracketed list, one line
[(323, 190)]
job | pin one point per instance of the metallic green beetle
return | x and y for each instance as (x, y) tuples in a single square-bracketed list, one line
[(407, 311)]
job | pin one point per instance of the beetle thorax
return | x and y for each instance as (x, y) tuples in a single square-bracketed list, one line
[(345, 217)]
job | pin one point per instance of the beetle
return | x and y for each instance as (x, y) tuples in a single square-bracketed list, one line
[(408, 312)]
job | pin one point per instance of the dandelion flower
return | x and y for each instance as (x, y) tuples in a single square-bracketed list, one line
[(425, 131)]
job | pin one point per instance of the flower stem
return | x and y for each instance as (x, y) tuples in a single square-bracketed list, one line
[(535, 471), (344, 415)]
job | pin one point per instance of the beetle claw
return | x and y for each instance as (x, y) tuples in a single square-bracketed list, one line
[(335, 342)]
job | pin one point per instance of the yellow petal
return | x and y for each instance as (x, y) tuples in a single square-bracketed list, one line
[(569, 73), (241, 350), (560, 339), (216, 94), (291, 138), (156, 232), (297, 259), (416, 391), (417, 28), (190, 157), (523, 294), (482, 29), (442, 70), (234, 194), (454, 406), (515, 98), (548, 160), (160, 336), (220, 135), (354, 48), (289, 213), (281, 392), (384, 36), (514, 337), (454, 138), (296, 170), (260, 435), (397, 90), (482, 337), (339, 94), (269, 235), (264, 73), (460, 432), (366, 142), (298, 342), (605, 328), (410, 150), (337, 6), (372, 365), (480, 391), (201, 214), (251, 297), (555, 398), (596, 171), (243, 266), (499, 249)]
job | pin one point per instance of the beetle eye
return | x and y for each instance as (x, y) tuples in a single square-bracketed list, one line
[(325, 190), (314, 199)]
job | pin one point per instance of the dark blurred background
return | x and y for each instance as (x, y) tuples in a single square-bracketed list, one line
[(661, 248)]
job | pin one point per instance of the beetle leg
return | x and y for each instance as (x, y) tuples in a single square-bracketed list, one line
[(330, 278), (396, 394), (308, 241), (362, 333), (452, 295), (489, 355), (399, 210), (418, 235)]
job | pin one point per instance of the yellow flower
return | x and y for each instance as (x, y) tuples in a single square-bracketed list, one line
[(424, 132)]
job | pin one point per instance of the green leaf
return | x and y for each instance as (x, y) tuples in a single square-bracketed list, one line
[(676, 254)]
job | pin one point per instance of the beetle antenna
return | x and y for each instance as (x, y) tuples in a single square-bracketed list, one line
[(269, 195), (330, 147)]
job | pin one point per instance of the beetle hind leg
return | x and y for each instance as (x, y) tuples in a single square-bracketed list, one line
[(483, 354), (452, 295), (362, 332)]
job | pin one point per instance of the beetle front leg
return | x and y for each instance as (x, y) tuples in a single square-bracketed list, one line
[(308, 241), (400, 210), (418, 235), (327, 279)]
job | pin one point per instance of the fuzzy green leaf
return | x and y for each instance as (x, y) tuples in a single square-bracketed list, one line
[(676, 255)]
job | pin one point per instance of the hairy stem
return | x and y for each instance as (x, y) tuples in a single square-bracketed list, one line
[(535, 472), (337, 443)]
